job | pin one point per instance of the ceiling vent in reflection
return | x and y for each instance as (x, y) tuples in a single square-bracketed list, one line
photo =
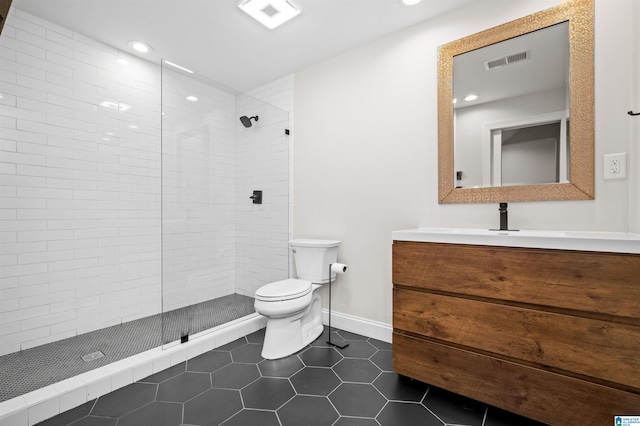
[(507, 60)]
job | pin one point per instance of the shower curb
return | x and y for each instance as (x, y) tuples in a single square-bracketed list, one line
[(41, 404)]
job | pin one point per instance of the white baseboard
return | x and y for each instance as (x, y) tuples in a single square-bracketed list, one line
[(365, 327)]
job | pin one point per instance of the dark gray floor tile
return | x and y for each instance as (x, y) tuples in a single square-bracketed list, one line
[(283, 367), (70, 416), (313, 387), (256, 336), (247, 353), (321, 341), (358, 349), (95, 421), (156, 414), (307, 411), (498, 417), (403, 414), (383, 359), (212, 407), (253, 418), (320, 357), (356, 421), (379, 344), (398, 388), (356, 370), (357, 400), (315, 381), (183, 387), (124, 400), (209, 362), (454, 408), (235, 376), (267, 393), (166, 374), (347, 335), (233, 345)]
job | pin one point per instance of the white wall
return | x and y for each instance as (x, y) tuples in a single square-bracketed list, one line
[(366, 147), (634, 133)]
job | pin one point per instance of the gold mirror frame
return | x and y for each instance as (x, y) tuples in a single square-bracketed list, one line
[(580, 14)]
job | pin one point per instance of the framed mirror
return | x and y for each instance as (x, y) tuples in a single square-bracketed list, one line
[(516, 110)]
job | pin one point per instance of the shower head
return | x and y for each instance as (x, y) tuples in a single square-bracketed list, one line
[(246, 121)]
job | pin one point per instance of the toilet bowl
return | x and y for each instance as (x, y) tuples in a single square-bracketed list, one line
[(293, 307)]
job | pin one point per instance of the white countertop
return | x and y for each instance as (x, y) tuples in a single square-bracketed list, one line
[(617, 242)]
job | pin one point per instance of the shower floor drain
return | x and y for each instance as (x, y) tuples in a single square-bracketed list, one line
[(92, 356)]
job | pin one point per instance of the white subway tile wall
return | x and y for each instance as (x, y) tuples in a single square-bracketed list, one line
[(80, 187), (263, 164)]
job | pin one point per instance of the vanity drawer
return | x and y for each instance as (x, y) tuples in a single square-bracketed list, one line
[(542, 395), (590, 347), (603, 283)]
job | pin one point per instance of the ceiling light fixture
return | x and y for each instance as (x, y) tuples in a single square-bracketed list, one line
[(270, 13), (410, 2), (140, 46), (178, 66), (471, 98), (192, 98)]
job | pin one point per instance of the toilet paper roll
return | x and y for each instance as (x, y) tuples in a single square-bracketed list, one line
[(338, 268)]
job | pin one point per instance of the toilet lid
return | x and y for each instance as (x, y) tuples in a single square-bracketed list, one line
[(284, 290)]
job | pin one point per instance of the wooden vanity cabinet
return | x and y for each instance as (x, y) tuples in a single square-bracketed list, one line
[(553, 335)]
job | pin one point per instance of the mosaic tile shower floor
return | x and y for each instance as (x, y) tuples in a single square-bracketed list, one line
[(31, 369)]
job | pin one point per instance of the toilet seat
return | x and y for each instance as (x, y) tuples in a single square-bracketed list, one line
[(283, 290)]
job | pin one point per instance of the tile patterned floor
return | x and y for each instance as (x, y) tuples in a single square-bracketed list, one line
[(319, 386)]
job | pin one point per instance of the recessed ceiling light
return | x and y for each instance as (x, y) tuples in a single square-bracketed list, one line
[(410, 2), (270, 13), (140, 46), (455, 100), (178, 66), (122, 61), (471, 98), (191, 98)]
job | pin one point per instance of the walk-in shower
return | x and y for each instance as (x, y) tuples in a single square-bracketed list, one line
[(126, 216)]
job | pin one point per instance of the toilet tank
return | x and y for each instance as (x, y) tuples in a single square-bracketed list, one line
[(313, 257)]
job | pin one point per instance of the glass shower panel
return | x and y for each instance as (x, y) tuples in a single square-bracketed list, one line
[(217, 246), (198, 199)]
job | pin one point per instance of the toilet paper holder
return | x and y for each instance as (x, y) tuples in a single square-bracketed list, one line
[(338, 268)]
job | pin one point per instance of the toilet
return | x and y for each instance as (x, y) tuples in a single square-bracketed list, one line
[(293, 307)]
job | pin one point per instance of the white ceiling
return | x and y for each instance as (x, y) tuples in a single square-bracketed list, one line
[(216, 39)]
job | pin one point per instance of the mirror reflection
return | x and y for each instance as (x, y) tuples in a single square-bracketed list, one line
[(522, 125), (511, 111)]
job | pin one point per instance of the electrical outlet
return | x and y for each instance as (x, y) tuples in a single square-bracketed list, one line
[(615, 166)]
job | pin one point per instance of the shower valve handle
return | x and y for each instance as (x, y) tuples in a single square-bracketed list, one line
[(256, 197)]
